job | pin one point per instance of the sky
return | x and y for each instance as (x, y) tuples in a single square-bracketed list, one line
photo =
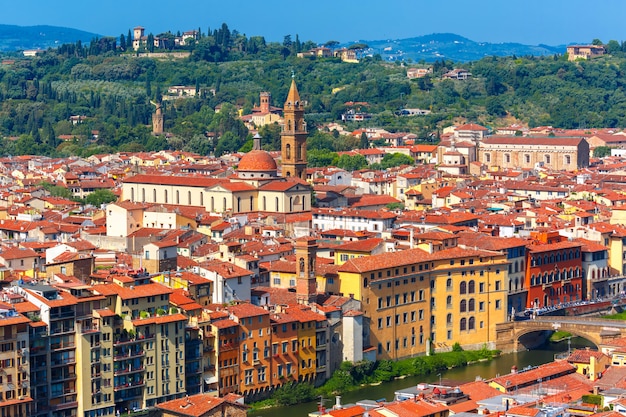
[(532, 22)]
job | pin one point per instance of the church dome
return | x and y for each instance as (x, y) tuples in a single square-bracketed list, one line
[(257, 160)]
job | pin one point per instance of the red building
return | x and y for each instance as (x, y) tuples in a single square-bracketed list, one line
[(554, 274)]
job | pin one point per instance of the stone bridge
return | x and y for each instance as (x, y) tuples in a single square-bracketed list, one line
[(514, 336)]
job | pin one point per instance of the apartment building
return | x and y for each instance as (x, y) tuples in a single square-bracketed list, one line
[(417, 301), (15, 394), (255, 347)]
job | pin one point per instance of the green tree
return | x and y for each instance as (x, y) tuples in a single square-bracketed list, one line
[(100, 197), (364, 141), (601, 152), (350, 162)]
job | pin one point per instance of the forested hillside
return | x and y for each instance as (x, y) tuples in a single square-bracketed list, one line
[(112, 87)]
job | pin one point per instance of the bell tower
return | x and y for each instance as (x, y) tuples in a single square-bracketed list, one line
[(293, 136), (306, 285)]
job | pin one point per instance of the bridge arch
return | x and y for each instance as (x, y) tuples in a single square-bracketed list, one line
[(512, 336)]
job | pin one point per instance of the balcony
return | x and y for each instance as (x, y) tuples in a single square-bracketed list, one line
[(208, 348), (129, 370), (67, 361), (62, 345), (69, 391), (62, 377), (61, 330), (125, 341), (129, 355), (129, 385), (62, 315), (89, 329), (65, 405), (209, 368)]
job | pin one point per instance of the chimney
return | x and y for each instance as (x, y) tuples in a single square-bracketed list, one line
[(338, 405)]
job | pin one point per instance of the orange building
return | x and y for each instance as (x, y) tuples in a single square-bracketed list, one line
[(255, 347), (228, 356), (284, 348)]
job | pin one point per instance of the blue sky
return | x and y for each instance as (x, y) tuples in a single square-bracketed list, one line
[(551, 22)]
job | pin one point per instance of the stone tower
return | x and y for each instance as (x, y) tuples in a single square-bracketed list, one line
[(306, 286), (157, 119), (266, 99), (293, 136)]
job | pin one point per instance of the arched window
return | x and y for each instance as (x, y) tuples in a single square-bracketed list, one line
[(238, 204), (212, 204), (132, 195), (251, 203), (463, 325), (463, 288), (165, 196), (276, 201), (298, 152), (471, 325), (471, 306), (471, 288), (288, 151), (449, 319), (463, 306), (154, 195), (143, 195), (449, 284), (264, 203), (449, 301), (224, 203), (507, 158), (189, 198), (201, 198)]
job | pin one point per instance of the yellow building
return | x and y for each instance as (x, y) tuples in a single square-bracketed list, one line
[(590, 363), (307, 342), (358, 249), (418, 301)]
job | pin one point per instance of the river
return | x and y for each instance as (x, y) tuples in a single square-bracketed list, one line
[(501, 365)]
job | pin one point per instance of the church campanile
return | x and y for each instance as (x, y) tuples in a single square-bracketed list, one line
[(293, 136)]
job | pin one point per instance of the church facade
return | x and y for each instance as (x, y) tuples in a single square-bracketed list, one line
[(256, 185), (557, 153)]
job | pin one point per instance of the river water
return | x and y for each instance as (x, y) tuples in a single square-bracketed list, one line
[(499, 366)]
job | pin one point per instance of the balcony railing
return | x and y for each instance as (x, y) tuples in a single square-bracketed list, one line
[(129, 355), (129, 385), (65, 392), (61, 330), (62, 315), (89, 329), (62, 345), (129, 370), (62, 377), (67, 361)]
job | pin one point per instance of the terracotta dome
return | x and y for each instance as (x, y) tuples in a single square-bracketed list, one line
[(257, 160)]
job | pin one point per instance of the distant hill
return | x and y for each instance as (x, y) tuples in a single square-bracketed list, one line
[(16, 38), (450, 46)]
